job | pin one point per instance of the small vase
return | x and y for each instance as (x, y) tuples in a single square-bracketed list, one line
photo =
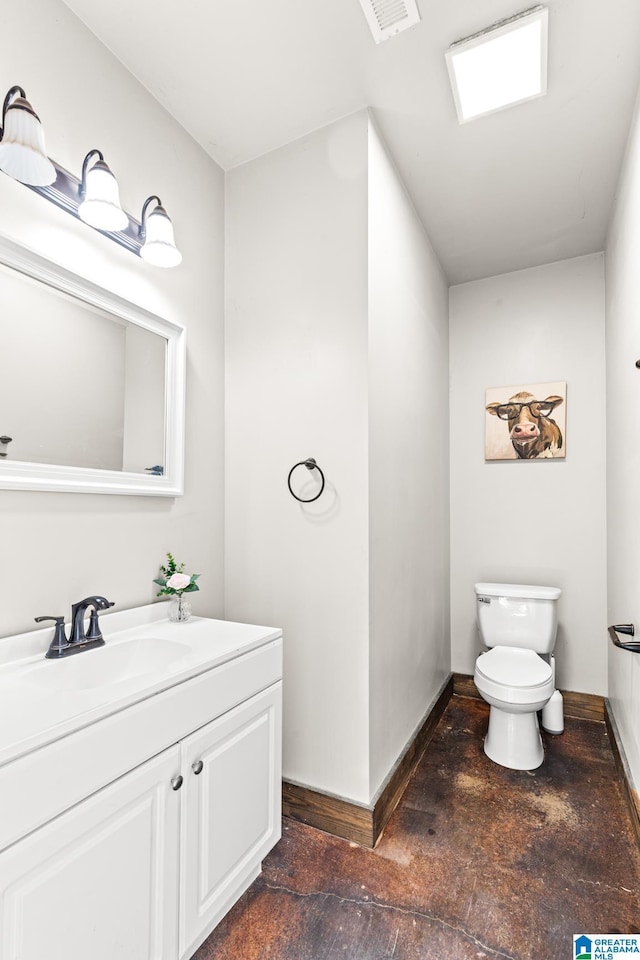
[(179, 609)]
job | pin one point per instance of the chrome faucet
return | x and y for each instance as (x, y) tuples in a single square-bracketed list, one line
[(79, 640)]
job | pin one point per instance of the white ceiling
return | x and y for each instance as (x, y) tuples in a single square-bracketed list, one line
[(525, 186)]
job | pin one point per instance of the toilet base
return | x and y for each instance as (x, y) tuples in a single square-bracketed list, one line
[(513, 739)]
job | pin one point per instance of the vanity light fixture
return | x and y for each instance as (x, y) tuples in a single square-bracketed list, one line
[(99, 196), (156, 232), (94, 199), (22, 151), (500, 66)]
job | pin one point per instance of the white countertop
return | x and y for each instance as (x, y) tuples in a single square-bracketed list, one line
[(43, 700)]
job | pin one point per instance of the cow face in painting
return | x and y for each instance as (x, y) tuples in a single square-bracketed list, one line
[(531, 431)]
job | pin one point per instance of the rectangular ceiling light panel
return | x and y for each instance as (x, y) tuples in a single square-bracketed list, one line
[(386, 18), (501, 66)]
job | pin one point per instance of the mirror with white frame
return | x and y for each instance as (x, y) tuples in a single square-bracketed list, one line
[(91, 385)]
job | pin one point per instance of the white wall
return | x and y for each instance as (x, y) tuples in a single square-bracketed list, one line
[(297, 387), (408, 467), (57, 548), (532, 521), (623, 442), (336, 349)]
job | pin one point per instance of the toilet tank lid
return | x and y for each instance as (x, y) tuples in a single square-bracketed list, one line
[(520, 591)]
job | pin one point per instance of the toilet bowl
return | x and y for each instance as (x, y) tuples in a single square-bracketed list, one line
[(518, 624), (516, 684)]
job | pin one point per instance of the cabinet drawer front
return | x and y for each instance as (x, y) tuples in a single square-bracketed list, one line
[(231, 815), (101, 881), (48, 781)]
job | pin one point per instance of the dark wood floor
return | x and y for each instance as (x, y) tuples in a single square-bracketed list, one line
[(476, 862)]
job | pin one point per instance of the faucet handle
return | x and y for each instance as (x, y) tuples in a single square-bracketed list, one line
[(94, 632), (59, 642)]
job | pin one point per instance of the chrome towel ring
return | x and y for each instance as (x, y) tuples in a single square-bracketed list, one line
[(310, 464)]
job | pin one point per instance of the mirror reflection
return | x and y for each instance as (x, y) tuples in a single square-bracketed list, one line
[(79, 386)]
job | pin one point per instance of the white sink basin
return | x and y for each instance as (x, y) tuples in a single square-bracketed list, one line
[(113, 663), (43, 700)]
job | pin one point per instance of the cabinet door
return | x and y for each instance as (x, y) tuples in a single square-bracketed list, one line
[(100, 881), (231, 813)]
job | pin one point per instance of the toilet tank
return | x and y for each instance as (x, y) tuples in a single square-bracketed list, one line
[(517, 615)]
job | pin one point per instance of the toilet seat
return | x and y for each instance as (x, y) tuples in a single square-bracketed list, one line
[(514, 675)]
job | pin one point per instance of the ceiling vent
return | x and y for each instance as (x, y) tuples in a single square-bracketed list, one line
[(386, 18)]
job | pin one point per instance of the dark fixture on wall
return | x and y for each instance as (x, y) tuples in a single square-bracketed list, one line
[(629, 630), (310, 464), (94, 198)]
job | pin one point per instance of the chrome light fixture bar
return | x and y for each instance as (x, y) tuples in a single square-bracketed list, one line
[(65, 193), (94, 198)]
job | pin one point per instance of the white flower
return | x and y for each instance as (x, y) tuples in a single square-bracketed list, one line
[(178, 581)]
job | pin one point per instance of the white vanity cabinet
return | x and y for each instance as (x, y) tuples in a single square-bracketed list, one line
[(101, 881), (134, 843), (230, 811)]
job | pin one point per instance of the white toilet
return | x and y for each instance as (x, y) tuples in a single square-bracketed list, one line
[(518, 623)]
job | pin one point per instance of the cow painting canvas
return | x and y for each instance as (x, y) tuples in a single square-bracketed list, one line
[(526, 422)]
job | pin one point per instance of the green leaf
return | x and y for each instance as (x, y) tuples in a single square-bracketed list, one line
[(172, 566)]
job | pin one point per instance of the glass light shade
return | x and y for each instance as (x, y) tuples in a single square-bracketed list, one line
[(159, 247), (22, 151), (501, 66), (100, 207)]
